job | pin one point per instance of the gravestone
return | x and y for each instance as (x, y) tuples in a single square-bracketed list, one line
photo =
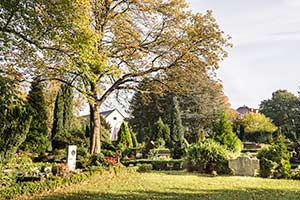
[(71, 158), (244, 166)]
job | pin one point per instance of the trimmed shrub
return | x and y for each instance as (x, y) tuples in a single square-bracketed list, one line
[(144, 167), (275, 161), (158, 164), (207, 157)]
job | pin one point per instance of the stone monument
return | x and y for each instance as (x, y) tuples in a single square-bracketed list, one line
[(71, 157), (244, 166)]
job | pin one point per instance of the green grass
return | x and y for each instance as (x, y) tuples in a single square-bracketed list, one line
[(177, 186)]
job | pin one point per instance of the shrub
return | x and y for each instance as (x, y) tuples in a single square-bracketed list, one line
[(296, 173), (98, 160), (223, 133), (35, 187), (83, 156), (60, 170), (275, 161), (207, 157), (158, 164), (144, 167)]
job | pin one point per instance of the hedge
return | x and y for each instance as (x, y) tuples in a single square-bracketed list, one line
[(175, 164)]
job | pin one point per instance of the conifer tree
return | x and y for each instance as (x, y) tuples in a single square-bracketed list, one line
[(14, 120), (133, 138), (63, 116), (224, 134), (161, 131), (124, 137), (37, 138), (176, 128)]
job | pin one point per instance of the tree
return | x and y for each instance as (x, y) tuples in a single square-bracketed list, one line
[(224, 134), (197, 102), (63, 117), (281, 109), (133, 138), (14, 119), (256, 123), (100, 47), (37, 138), (176, 128), (124, 137), (161, 131)]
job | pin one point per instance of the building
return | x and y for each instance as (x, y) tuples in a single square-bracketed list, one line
[(245, 110), (115, 119)]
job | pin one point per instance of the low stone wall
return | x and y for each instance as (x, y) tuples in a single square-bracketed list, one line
[(244, 166)]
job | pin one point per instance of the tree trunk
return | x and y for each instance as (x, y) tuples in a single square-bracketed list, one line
[(95, 143)]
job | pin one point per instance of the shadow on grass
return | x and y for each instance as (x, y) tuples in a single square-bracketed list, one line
[(182, 194)]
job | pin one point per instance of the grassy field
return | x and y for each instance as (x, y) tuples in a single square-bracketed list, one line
[(177, 186)]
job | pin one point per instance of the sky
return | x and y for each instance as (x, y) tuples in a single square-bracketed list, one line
[(266, 47)]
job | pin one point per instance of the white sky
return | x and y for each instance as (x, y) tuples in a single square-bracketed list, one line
[(266, 52)]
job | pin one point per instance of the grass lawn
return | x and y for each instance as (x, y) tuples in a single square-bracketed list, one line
[(178, 186)]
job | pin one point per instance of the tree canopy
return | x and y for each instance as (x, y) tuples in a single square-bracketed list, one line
[(256, 122), (99, 47), (279, 107)]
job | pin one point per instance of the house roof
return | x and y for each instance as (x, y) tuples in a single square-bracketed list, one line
[(245, 109), (105, 113)]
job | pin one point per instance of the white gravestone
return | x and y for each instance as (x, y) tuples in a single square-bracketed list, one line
[(71, 158)]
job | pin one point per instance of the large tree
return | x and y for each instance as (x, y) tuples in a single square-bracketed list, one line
[(279, 107), (284, 110), (102, 46), (198, 102)]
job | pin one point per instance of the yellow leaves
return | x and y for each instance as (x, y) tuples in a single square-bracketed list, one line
[(256, 122)]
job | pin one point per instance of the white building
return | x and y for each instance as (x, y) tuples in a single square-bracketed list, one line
[(114, 118)]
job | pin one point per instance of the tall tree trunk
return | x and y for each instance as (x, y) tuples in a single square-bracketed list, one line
[(95, 143)]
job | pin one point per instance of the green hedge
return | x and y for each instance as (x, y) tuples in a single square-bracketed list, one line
[(36, 187), (158, 164), (144, 167)]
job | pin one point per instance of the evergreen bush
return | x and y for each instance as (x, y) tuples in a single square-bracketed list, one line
[(124, 137), (275, 161), (207, 157), (223, 133)]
